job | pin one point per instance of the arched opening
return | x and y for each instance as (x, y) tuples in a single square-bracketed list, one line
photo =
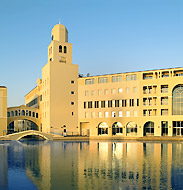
[(8, 114), (60, 49), (131, 129), (12, 113), (177, 100), (149, 128), (65, 49), (32, 137), (21, 125), (102, 128), (23, 113), (117, 128), (16, 113)]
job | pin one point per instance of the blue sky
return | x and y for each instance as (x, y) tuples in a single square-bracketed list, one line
[(107, 37)]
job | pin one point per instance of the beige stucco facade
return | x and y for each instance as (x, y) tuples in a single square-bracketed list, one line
[(3, 110), (124, 104), (57, 91)]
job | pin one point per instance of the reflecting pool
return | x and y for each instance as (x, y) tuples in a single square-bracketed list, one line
[(87, 165)]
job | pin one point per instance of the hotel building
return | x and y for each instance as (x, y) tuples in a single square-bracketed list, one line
[(133, 104)]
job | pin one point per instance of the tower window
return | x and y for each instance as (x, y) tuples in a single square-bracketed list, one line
[(72, 113), (65, 49), (60, 49), (72, 81), (72, 92), (52, 37), (72, 103)]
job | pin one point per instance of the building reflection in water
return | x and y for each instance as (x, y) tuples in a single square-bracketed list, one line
[(96, 165)]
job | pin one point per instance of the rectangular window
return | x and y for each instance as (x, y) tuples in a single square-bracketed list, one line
[(164, 100), (131, 77), (164, 112), (102, 104), (89, 81), (110, 103), (134, 89), (84, 105), (164, 88), (92, 114), (92, 92), (106, 114), (127, 90), (86, 114), (96, 104), (123, 103), (116, 78), (127, 113), (106, 91), (135, 113), (113, 91), (144, 112), (120, 90), (120, 114), (116, 103), (90, 104), (99, 114), (113, 114), (99, 92), (131, 102), (86, 93), (102, 80), (137, 102)]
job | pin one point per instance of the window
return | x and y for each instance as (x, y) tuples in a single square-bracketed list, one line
[(65, 49), (99, 114), (177, 100), (149, 128), (113, 114), (72, 113), (72, 92), (12, 113), (90, 104), (164, 128), (131, 128), (106, 91), (92, 114), (120, 90), (110, 103), (86, 93), (89, 81), (86, 114), (113, 91), (135, 113), (29, 113), (8, 114), (36, 115), (164, 88), (134, 89), (102, 104), (116, 103), (120, 114), (106, 114), (92, 92), (127, 90), (72, 81), (96, 104), (127, 113), (137, 102), (131, 77), (33, 114), (145, 89), (84, 105), (116, 78), (147, 76), (164, 112), (60, 48), (99, 92), (164, 100), (72, 103), (102, 128), (102, 80), (144, 112), (123, 103), (117, 128)]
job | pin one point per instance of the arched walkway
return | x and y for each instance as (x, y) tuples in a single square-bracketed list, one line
[(21, 125), (149, 128), (103, 128), (117, 128)]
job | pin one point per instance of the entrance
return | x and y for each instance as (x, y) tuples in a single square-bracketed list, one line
[(177, 128)]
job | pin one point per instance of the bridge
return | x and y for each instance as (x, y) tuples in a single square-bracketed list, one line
[(20, 135), (23, 113)]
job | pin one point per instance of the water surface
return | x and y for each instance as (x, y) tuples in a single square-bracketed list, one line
[(87, 165)]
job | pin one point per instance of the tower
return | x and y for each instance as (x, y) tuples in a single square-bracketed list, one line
[(60, 86)]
